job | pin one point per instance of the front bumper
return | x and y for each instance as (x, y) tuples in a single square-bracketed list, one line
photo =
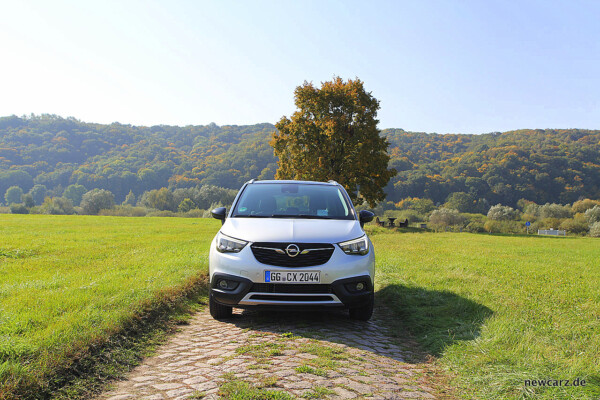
[(242, 292)]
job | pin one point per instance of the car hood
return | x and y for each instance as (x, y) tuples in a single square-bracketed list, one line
[(292, 230)]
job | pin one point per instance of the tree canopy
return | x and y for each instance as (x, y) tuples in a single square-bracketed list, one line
[(543, 166), (334, 135)]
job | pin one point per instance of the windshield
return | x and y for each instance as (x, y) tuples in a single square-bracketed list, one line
[(293, 200)]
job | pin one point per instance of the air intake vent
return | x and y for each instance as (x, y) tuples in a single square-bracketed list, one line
[(290, 288), (292, 254)]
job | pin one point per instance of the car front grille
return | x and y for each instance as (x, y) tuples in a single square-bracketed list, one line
[(309, 254), (290, 288)]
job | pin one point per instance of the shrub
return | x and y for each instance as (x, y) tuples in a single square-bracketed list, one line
[(18, 208), (164, 213), (593, 215), (129, 199), (74, 193), (574, 226), (195, 213), (97, 199), (475, 227), (461, 201), (13, 195), (582, 206), (422, 206), (502, 213), (38, 194), (125, 211), (445, 217), (554, 211), (549, 223), (186, 205), (57, 206), (595, 229), (27, 199), (161, 199), (511, 227)]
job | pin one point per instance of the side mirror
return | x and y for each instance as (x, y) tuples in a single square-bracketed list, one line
[(221, 212), (365, 216)]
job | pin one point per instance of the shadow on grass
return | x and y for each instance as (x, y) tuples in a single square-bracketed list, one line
[(421, 322), (435, 319)]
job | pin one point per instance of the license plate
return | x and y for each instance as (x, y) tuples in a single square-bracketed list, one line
[(293, 276)]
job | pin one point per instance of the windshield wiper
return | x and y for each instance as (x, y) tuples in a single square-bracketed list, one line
[(305, 216), (251, 216)]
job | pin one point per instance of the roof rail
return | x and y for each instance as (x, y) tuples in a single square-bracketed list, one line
[(252, 180), (332, 181)]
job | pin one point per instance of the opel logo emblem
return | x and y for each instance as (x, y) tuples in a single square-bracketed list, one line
[(292, 250)]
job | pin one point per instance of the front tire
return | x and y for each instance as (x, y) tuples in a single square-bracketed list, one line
[(218, 311), (364, 312)]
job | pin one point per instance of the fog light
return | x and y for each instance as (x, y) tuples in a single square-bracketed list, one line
[(360, 286), (223, 284)]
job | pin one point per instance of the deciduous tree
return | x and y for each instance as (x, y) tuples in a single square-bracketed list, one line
[(13, 195), (96, 200), (334, 135), (74, 193)]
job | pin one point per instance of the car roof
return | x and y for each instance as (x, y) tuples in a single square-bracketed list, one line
[(292, 182)]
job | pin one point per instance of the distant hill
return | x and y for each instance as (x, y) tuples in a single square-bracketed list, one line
[(538, 165)]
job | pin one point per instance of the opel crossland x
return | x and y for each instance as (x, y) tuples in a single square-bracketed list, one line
[(294, 244)]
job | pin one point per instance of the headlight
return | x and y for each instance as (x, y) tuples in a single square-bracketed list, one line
[(226, 244), (358, 247)]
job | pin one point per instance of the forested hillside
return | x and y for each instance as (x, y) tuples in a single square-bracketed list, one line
[(477, 170), (538, 165)]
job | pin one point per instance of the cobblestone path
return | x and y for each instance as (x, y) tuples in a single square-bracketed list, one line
[(320, 355)]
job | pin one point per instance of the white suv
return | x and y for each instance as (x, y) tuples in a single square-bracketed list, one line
[(291, 244)]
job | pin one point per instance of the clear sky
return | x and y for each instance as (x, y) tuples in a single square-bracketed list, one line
[(436, 66)]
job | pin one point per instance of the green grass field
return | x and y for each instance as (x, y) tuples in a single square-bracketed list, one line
[(498, 310), (494, 310), (69, 284)]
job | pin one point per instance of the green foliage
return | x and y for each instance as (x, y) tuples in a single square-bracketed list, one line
[(574, 226), (411, 215), (204, 196), (57, 152), (334, 135), (582, 206), (554, 211), (595, 229), (13, 195), (504, 226), (125, 211), (18, 208), (461, 201), (38, 192), (543, 166), (12, 177), (593, 215), (444, 218), (27, 200), (161, 199), (502, 213), (74, 193), (129, 199), (95, 200), (422, 206), (186, 205), (57, 206)]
